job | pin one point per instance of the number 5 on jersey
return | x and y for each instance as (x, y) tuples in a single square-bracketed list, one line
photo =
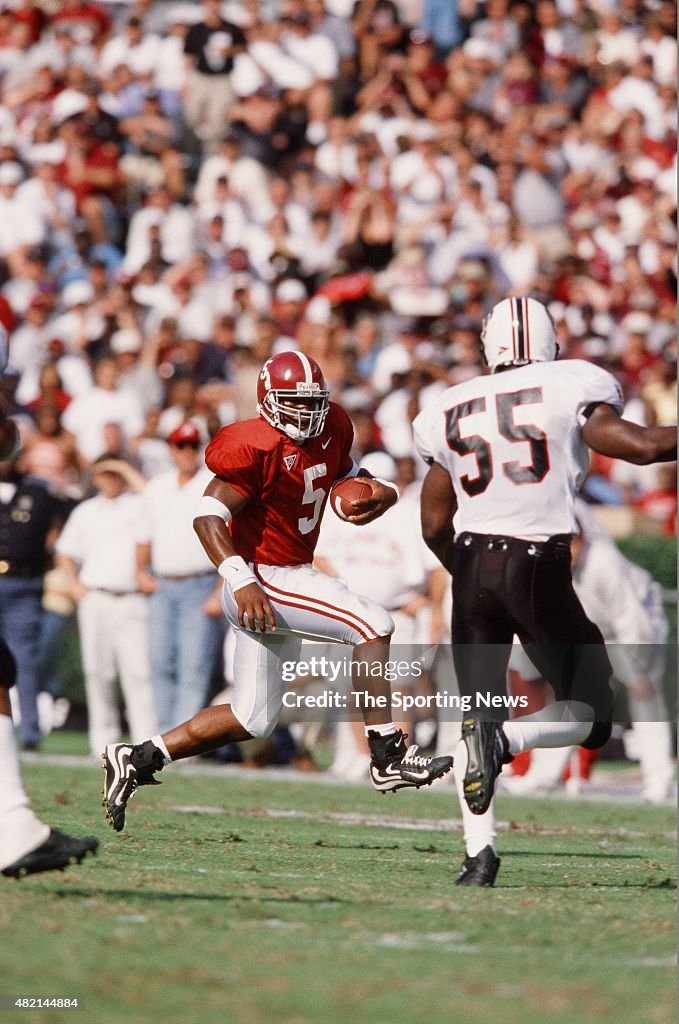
[(481, 447), (312, 496)]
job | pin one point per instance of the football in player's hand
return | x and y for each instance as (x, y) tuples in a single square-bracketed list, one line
[(346, 491)]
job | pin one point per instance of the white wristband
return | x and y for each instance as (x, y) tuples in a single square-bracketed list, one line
[(387, 483), (236, 572), (209, 506)]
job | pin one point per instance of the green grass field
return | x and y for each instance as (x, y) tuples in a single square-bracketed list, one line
[(241, 900)]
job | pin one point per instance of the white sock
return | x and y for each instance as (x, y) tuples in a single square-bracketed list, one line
[(561, 724), (479, 829), (655, 756), (159, 742), (388, 729), (20, 829)]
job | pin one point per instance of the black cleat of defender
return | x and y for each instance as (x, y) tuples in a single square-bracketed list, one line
[(126, 768), (487, 751), (56, 853), (394, 767), (480, 870)]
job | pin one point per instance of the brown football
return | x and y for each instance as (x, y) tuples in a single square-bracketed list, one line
[(346, 491)]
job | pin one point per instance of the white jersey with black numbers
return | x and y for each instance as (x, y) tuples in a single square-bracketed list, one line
[(512, 444)]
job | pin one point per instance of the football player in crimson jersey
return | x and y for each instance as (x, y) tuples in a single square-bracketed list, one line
[(507, 454), (259, 522)]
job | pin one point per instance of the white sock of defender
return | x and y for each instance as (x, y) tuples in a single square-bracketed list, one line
[(480, 830), (561, 724), (159, 742), (21, 831), (387, 729)]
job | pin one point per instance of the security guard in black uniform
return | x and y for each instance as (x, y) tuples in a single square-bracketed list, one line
[(31, 515)]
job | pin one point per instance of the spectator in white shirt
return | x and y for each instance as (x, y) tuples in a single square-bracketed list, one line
[(89, 413), (138, 51), (97, 551), (21, 225), (185, 606), (176, 225), (247, 178)]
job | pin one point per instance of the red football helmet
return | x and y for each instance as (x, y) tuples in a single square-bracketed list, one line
[(292, 395)]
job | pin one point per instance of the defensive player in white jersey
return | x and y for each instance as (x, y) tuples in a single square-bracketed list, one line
[(508, 453), (27, 844)]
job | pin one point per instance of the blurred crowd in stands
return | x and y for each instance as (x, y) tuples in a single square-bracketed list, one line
[(187, 188)]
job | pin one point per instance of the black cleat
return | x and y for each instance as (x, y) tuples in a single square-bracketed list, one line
[(126, 768), (56, 853), (393, 767), (480, 870), (487, 751)]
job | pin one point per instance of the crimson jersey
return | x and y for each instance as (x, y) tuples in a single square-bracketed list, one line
[(286, 484)]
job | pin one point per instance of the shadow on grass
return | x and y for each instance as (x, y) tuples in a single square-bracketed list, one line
[(156, 896), (665, 883), (594, 855)]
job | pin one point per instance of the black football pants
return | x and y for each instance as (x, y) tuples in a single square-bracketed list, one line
[(503, 586)]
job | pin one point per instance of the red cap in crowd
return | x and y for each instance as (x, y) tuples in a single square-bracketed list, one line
[(186, 433)]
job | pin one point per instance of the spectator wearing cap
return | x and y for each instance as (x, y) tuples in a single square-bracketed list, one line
[(185, 609), (30, 517), (88, 22), (31, 15), (210, 48), (96, 550), (290, 299), (80, 324)]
